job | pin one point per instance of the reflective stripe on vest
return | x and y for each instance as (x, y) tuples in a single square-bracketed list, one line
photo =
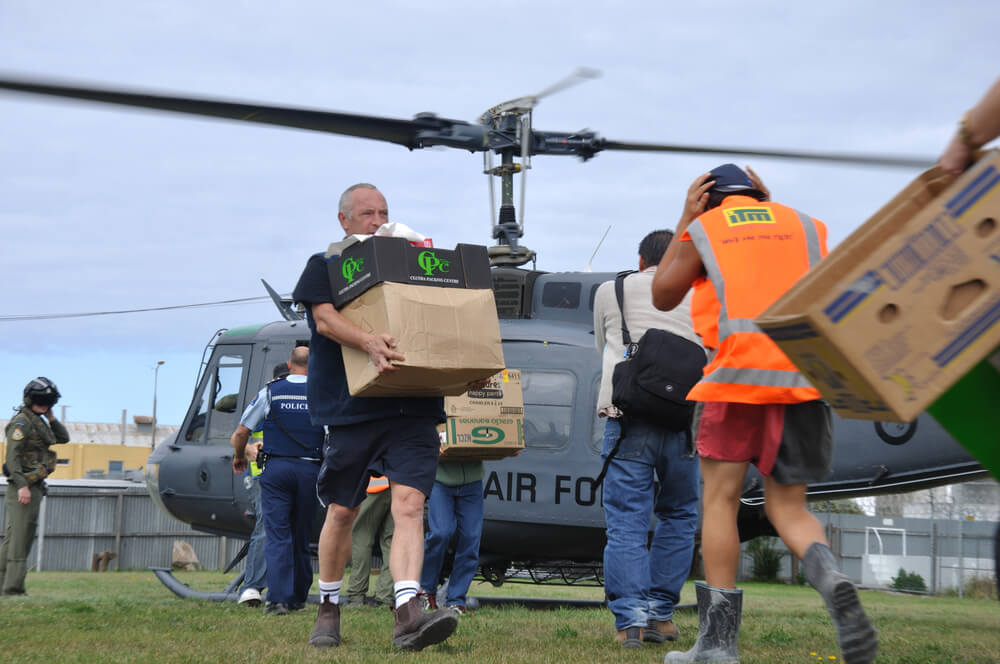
[(378, 484), (749, 367)]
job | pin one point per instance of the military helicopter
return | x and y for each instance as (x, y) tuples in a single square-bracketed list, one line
[(543, 517)]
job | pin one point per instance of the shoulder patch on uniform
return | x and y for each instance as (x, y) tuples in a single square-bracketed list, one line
[(18, 433)]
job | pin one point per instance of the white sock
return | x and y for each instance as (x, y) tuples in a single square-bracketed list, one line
[(405, 590), (329, 591)]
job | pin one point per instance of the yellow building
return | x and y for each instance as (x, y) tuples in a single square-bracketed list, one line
[(92, 449)]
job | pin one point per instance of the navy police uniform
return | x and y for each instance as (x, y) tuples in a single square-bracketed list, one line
[(293, 449)]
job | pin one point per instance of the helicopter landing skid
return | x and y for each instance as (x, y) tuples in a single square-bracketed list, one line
[(184, 591)]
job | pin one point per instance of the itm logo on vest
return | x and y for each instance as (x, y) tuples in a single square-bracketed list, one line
[(430, 263), (742, 216), (351, 267)]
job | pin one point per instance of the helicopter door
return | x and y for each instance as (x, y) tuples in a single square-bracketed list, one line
[(203, 492)]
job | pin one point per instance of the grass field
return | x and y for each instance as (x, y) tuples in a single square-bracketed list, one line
[(130, 617)]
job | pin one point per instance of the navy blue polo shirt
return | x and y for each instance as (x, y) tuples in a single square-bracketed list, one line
[(330, 402)]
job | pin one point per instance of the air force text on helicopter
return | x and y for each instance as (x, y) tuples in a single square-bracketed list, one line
[(521, 487)]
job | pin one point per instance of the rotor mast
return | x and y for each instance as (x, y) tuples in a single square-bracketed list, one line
[(510, 124)]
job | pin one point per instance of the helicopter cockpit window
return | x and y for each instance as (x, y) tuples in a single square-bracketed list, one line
[(218, 406), (548, 408), (561, 294)]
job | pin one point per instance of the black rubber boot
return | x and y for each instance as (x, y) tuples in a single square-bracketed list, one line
[(719, 612), (858, 639)]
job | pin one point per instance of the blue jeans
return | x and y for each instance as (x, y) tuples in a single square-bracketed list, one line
[(256, 567), (288, 494), (451, 509), (643, 581)]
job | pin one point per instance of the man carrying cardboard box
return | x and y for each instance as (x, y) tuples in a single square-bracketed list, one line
[(741, 252), (390, 436)]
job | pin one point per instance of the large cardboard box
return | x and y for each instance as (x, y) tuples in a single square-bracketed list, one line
[(501, 396), (449, 336), (907, 304), (363, 265), (487, 423), (481, 438)]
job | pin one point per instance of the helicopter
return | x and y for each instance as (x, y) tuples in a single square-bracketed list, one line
[(543, 513)]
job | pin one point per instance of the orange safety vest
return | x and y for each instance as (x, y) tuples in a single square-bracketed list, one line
[(753, 253), (378, 484)]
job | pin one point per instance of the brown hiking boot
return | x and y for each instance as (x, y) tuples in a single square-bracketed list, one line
[(416, 629), (326, 633), (658, 631), (630, 637)]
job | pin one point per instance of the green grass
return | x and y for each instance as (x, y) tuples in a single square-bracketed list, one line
[(130, 617)]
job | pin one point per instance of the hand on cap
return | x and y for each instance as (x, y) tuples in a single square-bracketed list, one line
[(759, 184), (380, 350), (697, 199)]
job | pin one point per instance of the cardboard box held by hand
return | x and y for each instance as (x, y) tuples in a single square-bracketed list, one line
[(449, 336), (907, 304), (485, 424)]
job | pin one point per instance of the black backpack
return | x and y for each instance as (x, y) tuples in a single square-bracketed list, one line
[(659, 370)]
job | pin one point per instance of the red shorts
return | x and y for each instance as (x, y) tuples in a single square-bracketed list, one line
[(792, 442)]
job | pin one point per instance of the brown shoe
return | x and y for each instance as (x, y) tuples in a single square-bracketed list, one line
[(416, 629), (326, 633), (630, 637), (658, 631)]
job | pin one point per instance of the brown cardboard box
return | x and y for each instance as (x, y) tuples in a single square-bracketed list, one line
[(482, 438), (450, 337), (907, 304), (485, 424), (501, 396)]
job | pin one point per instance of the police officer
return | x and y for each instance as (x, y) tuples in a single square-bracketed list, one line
[(292, 450), (29, 461)]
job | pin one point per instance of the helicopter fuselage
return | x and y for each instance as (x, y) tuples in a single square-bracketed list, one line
[(542, 504)]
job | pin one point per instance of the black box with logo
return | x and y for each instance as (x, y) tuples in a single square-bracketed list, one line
[(377, 259)]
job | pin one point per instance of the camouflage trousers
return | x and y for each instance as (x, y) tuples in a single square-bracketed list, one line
[(22, 522)]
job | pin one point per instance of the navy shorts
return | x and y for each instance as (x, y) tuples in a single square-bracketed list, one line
[(404, 449)]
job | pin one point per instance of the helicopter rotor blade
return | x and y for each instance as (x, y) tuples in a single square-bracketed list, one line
[(424, 130), (579, 76), (894, 161)]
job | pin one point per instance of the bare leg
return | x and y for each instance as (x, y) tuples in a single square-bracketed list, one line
[(785, 505), (335, 542), (720, 541), (407, 554)]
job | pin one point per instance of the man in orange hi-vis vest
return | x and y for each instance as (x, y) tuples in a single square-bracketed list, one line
[(741, 252)]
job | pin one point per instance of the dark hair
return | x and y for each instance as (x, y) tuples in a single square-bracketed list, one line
[(279, 370), (654, 245), (715, 197)]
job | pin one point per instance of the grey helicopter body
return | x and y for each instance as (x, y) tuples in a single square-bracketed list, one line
[(542, 507)]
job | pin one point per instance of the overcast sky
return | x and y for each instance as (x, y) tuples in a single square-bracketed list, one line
[(103, 208)]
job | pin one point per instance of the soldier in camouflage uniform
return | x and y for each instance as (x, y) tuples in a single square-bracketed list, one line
[(29, 461)]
